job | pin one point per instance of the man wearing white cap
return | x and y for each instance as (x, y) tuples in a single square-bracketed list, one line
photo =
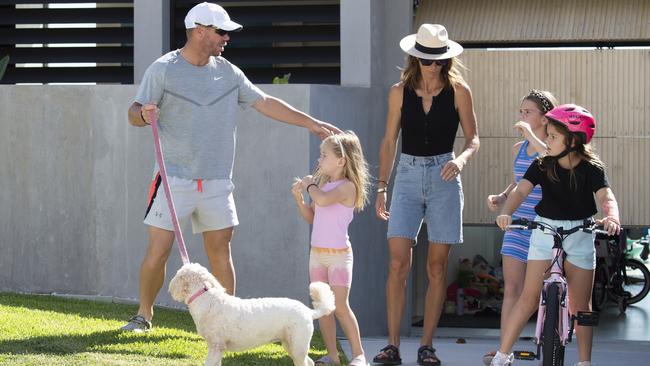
[(195, 92)]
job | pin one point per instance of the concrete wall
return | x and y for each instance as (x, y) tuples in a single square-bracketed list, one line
[(74, 178), (150, 34)]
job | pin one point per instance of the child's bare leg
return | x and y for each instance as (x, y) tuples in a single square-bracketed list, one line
[(514, 273), (580, 282), (347, 319), (327, 326), (525, 305)]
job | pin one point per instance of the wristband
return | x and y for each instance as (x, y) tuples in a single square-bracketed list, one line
[(312, 184), (381, 190)]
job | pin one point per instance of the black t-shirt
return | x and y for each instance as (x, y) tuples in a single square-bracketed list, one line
[(563, 201)]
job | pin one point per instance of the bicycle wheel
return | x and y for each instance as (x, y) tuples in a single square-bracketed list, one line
[(552, 350), (599, 292), (637, 281)]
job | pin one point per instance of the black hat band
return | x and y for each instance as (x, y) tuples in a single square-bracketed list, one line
[(431, 50)]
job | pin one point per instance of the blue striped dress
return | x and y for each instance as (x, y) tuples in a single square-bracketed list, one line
[(516, 242)]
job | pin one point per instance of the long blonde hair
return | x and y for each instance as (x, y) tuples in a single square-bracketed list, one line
[(347, 145), (451, 73), (584, 151)]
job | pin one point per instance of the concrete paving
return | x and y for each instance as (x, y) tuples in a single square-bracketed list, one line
[(619, 353), (620, 340)]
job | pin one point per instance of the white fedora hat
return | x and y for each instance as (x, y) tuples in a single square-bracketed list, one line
[(431, 42)]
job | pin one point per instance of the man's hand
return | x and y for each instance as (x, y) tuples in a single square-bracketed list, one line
[(147, 110), (323, 129)]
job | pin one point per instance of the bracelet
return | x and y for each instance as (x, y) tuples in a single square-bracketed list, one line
[(381, 190), (312, 184)]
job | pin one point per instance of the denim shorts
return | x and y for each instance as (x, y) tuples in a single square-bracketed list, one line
[(421, 194), (579, 246)]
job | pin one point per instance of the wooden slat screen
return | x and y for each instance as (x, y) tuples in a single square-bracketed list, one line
[(113, 37), (279, 37), (549, 23)]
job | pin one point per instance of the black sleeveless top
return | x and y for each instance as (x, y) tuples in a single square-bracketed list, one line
[(432, 133)]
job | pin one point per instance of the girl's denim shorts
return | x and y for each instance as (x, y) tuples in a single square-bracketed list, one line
[(421, 194), (579, 246)]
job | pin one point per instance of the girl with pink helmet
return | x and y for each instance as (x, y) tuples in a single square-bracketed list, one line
[(570, 174)]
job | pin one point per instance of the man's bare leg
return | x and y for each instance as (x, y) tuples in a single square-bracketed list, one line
[(153, 268), (217, 248)]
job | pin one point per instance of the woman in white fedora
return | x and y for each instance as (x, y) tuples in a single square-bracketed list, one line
[(427, 105)]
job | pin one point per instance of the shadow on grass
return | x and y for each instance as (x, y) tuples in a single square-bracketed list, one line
[(100, 343), (96, 342), (167, 318)]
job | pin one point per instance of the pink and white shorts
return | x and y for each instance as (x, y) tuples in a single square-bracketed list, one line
[(333, 266)]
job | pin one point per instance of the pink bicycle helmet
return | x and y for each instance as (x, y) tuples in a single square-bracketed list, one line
[(575, 118)]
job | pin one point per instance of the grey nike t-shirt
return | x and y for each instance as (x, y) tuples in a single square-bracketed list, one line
[(198, 113)]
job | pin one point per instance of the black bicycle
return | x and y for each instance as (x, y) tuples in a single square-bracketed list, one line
[(619, 276)]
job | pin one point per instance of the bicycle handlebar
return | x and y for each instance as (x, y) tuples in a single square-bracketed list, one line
[(588, 226), (519, 227)]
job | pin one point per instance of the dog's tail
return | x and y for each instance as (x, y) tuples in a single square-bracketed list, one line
[(322, 299)]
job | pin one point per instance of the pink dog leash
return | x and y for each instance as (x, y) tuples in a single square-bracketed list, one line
[(168, 193)]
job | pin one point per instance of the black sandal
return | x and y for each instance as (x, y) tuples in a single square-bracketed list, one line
[(388, 355), (427, 356)]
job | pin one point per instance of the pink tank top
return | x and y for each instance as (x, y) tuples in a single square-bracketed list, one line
[(330, 229)]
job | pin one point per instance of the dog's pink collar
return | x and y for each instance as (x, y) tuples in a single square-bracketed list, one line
[(197, 294)]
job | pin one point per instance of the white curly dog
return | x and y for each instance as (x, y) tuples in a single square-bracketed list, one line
[(228, 323)]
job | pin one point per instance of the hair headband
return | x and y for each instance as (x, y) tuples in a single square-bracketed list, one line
[(546, 104)]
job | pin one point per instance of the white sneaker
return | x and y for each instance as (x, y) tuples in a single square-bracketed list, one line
[(487, 358), (583, 363), (501, 359)]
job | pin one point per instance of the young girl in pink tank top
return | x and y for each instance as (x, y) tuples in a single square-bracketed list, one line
[(337, 189)]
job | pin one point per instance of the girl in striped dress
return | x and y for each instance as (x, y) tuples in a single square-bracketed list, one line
[(515, 242)]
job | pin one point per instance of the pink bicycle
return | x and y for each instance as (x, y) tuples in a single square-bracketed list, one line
[(555, 324)]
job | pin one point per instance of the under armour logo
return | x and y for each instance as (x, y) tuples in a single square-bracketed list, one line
[(158, 214)]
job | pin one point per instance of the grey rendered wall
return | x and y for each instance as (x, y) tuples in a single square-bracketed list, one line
[(74, 178), (150, 34)]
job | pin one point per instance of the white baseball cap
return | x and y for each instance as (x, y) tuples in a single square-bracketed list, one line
[(211, 15)]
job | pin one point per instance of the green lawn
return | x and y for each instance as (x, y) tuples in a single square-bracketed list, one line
[(46, 330)]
